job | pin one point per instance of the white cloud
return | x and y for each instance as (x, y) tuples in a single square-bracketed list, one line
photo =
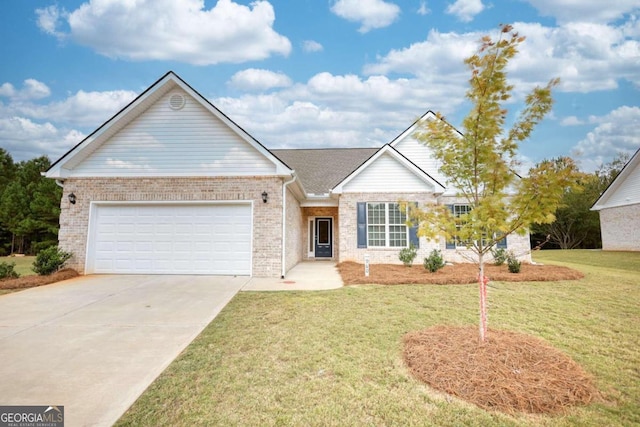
[(585, 10), (26, 139), (32, 89), (311, 46), (423, 9), (337, 110), (571, 121), (178, 30), (49, 19), (586, 57), (617, 132), (371, 14), (465, 10), (440, 57), (256, 79), (81, 109)]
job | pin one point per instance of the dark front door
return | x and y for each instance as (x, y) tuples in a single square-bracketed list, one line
[(323, 238)]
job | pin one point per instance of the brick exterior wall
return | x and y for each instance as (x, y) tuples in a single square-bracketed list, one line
[(620, 228), (320, 212), (294, 227), (348, 242), (267, 225)]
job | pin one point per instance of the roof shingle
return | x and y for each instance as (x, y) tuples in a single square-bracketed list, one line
[(320, 170)]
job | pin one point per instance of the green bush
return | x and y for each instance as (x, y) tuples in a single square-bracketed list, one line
[(407, 255), (50, 260), (434, 261), (499, 256), (7, 271), (513, 264)]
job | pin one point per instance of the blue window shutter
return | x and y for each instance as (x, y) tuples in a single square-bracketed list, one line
[(502, 243), (450, 244), (362, 225), (413, 233)]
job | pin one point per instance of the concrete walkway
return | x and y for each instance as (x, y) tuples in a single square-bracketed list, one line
[(304, 276), (93, 344)]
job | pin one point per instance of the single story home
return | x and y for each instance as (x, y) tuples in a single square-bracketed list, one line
[(171, 185), (619, 209)]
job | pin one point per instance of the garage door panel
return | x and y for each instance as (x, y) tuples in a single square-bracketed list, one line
[(171, 239)]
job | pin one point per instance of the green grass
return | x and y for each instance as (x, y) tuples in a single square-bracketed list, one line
[(629, 261), (23, 264), (334, 358)]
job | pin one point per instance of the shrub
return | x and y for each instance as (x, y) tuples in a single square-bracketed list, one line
[(7, 271), (513, 264), (407, 255), (50, 260), (499, 256), (434, 261)]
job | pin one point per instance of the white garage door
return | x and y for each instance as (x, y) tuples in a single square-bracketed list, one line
[(170, 239)]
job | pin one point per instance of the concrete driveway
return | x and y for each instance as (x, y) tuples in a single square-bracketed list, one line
[(93, 344)]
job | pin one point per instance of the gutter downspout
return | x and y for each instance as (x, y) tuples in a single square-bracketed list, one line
[(284, 220), (60, 183)]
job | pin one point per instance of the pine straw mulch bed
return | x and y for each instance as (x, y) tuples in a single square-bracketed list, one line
[(510, 372), (33, 281), (393, 274)]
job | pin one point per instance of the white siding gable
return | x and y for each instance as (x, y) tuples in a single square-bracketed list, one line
[(422, 157), (386, 174), (185, 142), (628, 191)]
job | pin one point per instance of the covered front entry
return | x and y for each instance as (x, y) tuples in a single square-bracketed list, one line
[(170, 238), (323, 237)]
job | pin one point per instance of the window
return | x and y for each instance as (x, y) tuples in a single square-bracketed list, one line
[(458, 211), (386, 225)]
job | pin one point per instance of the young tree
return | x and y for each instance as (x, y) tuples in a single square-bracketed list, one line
[(481, 162)]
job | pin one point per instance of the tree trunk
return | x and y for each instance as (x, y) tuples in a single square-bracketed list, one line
[(482, 287)]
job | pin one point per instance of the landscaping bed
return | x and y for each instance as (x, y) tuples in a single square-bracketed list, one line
[(34, 280), (509, 372), (392, 274)]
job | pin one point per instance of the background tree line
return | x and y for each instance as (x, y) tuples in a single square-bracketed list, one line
[(29, 206)]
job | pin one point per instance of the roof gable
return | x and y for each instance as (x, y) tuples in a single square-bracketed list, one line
[(418, 153), (388, 171), (170, 129), (624, 189)]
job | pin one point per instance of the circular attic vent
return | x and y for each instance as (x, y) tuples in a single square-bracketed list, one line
[(177, 101)]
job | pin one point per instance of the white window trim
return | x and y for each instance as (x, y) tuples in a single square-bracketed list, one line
[(311, 228), (387, 237)]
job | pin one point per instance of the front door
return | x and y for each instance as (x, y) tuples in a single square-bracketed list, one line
[(323, 237)]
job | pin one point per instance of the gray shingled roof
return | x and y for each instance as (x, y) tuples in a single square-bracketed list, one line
[(320, 170)]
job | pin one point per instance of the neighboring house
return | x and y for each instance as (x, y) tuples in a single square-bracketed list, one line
[(619, 209), (170, 185)]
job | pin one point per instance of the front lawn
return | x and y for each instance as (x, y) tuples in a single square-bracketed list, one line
[(334, 358)]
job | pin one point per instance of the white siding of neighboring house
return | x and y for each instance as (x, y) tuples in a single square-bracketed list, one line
[(421, 156), (628, 192), (166, 142), (620, 210), (388, 174)]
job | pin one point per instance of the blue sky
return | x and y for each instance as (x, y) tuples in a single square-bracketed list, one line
[(318, 73)]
